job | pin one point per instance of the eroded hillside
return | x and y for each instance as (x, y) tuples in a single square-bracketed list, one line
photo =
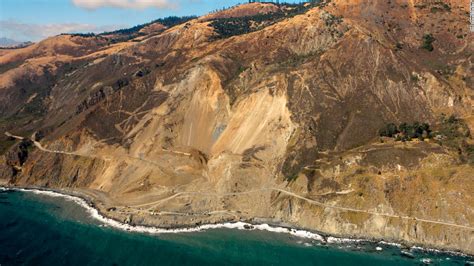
[(261, 113)]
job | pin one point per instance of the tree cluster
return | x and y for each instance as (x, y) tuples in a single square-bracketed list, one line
[(406, 131), (167, 22), (454, 133), (133, 32), (228, 27)]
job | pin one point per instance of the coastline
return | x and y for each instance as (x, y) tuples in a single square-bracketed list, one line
[(263, 224)]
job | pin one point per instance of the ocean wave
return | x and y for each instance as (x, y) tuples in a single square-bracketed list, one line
[(390, 244), (433, 250), (339, 240)]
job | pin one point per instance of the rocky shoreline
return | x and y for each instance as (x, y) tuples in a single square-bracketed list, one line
[(271, 225)]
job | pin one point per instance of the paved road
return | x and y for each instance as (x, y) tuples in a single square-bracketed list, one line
[(305, 199), (179, 194)]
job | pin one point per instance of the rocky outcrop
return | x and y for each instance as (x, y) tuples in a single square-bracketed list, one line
[(15, 158)]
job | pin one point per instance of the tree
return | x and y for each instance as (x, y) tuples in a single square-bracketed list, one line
[(390, 130), (428, 40)]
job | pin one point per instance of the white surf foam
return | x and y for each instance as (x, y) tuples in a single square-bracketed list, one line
[(432, 250), (339, 240), (390, 244), (94, 213)]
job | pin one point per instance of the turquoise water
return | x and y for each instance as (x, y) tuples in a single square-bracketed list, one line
[(41, 230)]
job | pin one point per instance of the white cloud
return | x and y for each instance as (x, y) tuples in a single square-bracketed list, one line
[(134, 4), (34, 32)]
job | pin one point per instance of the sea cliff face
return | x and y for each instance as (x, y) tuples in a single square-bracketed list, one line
[(260, 112)]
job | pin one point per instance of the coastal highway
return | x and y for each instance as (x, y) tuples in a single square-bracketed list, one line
[(311, 201), (289, 193)]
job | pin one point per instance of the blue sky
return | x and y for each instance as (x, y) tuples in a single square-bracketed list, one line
[(37, 19)]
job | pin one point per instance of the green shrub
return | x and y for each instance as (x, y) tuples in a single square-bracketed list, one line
[(428, 40), (470, 154), (398, 46), (453, 130), (414, 78), (447, 7), (390, 130)]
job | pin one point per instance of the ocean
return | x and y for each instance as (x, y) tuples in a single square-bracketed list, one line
[(38, 229)]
